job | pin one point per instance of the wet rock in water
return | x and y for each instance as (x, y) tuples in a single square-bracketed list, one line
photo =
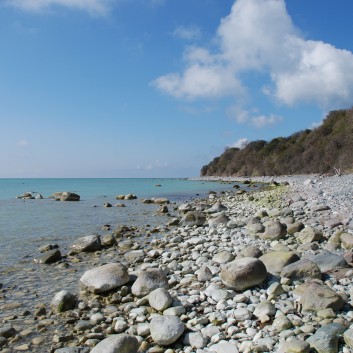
[(215, 222), (39, 197), (160, 299), (162, 210), (149, 280), (26, 196), (130, 197), (120, 205), (88, 243), (243, 273), (276, 260), (165, 330), (161, 200), (193, 218), (47, 247), (174, 222), (301, 270), (185, 207), (7, 331), (107, 205), (63, 301), (274, 230), (120, 343), (314, 296), (105, 278), (108, 240), (69, 196), (309, 235), (328, 261), (120, 197), (48, 257)]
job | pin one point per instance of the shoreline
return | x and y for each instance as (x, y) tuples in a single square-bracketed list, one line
[(214, 316)]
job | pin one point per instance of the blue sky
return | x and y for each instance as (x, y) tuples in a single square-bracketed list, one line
[(158, 88)]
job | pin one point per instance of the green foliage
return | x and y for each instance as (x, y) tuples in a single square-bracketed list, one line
[(308, 151)]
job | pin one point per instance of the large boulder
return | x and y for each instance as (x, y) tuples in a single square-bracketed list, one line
[(121, 343), (328, 261), (216, 221), (69, 196), (193, 218), (301, 270), (243, 273), (49, 257), (276, 260), (165, 330), (88, 243), (309, 235), (315, 296), (105, 278), (63, 301), (148, 281), (274, 230)]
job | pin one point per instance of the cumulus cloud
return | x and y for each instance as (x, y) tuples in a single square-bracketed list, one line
[(187, 32), (94, 7), (240, 143), (259, 36)]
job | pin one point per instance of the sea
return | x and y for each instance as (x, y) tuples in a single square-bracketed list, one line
[(25, 225)]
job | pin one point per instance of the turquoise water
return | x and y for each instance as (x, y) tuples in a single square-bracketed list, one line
[(27, 224)]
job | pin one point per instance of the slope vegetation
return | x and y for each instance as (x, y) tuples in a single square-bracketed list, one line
[(310, 151)]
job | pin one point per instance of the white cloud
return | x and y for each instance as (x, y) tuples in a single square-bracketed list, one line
[(252, 118), (187, 32), (94, 7), (259, 36), (240, 143)]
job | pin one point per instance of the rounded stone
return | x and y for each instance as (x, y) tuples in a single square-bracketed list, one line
[(165, 330), (243, 273), (160, 299), (121, 343)]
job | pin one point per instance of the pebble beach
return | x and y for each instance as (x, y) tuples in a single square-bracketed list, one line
[(264, 270)]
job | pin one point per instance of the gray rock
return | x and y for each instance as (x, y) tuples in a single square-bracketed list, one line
[(195, 340), (348, 338), (185, 207), (314, 296), (295, 346), (88, 243), (265, 308), (63, 301), (69, 196), (105, 278), (328, 261), (7, 331), (165, 330), (215, 222), (325, 339), (294, 227), (149, 280), (347, 241), (204, 274), (274, 230), (309, 235), (223, 257), (73, 350), (160, 299), (224, 347), (121, 343), (193, 218), (251, 251), (301, 270), (243, 273), (49, 257), (161, 200), (135, 256), (276, 260), (254, 227), (217, 207)]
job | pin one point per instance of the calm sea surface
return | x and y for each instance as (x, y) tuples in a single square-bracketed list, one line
[(27, 224)]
